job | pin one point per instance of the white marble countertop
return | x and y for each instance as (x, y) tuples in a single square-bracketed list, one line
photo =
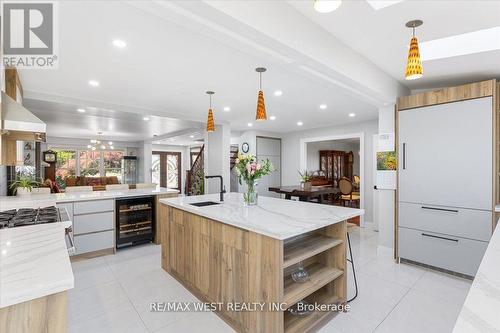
[(9, 202), (273, 217), (34, 262), (481, 310)]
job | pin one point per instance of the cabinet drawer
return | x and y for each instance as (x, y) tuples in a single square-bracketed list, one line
[(94, 242), (452, 253), (85, 207), (93, 222), (467, 223)]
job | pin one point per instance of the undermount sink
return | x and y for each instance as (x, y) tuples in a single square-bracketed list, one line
[(204, 203)]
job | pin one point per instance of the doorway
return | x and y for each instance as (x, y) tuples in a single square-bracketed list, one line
[(348, 150), (166, 169)]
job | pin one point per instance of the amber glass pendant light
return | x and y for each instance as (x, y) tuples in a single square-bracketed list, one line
[(414, 68), (260, 115), (210, 120)]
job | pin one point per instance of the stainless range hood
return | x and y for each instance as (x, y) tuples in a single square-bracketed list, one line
[(16, 118)]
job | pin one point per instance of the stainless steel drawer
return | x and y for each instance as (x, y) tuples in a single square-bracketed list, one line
[(466, 223), (444, 251), (94, 242), (95, 206), (83, 224)]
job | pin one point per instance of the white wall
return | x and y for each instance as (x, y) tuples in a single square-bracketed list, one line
[(313, 149), (250, 137), (217, 149), (291, 155), (385, 198)]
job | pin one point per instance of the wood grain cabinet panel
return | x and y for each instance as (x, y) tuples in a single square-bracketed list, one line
[(46, 314), (225, 264)]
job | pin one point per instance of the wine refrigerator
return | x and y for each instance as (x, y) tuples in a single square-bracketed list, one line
[(135, 221)]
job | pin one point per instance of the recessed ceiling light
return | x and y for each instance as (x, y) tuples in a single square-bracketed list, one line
[(323, 106), (81, 110), (352, 115), (145, 118), (94, 83), (119, 43), (326, 6), (250, 124), (227, 108), (110, 143), (191, 136), (272, 117), (278, 93), (299, 123)]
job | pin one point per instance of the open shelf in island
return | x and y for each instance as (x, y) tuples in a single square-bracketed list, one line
[(219, 262)]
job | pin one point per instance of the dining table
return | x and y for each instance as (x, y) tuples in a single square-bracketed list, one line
[(306, 194)]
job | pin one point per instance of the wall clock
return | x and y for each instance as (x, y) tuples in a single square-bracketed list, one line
[(245, 147), (49, 156)]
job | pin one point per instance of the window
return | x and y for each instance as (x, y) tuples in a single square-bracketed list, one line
[(66, 163), (89, 163), (113, 164)]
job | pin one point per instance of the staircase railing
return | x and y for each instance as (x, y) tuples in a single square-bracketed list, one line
[(195, 178)]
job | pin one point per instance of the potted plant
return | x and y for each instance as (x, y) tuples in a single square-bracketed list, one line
[(305, 177), (23, 185), (249, 170)]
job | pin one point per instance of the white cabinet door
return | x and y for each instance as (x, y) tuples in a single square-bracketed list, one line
[(445, 154)]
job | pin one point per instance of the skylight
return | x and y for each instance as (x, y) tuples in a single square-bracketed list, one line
[(381, 4), (463, 44)]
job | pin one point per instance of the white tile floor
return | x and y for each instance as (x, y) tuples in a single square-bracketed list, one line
[(112, 294)]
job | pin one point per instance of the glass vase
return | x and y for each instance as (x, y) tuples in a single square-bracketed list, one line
[(250, 197)]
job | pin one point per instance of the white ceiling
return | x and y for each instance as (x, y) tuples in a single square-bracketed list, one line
[(381, 36), (64, 121), (178, 50)]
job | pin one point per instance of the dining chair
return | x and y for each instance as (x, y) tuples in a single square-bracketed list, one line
[(40, 190), (117, 187), (346, 192), (78, 189), (145, 185)]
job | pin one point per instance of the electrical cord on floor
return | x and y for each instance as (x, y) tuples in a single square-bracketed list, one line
[(351, 260)]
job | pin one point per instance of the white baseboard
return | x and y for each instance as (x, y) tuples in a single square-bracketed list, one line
[(385, 251)]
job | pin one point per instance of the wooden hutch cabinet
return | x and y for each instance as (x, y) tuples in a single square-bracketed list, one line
[(336, 164)]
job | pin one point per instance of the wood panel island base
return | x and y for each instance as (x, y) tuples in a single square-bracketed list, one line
[(244, 256)]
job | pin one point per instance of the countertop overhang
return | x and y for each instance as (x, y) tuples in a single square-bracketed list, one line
[(34, 262), (277, 218), (481, 310)]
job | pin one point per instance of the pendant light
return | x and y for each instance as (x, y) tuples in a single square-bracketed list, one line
[(260, 115), (414, 68), (210, 120)]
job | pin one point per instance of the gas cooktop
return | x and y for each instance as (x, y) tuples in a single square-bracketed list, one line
[(29, 216)]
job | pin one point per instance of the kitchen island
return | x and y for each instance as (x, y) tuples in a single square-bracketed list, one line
[(242, 256)]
